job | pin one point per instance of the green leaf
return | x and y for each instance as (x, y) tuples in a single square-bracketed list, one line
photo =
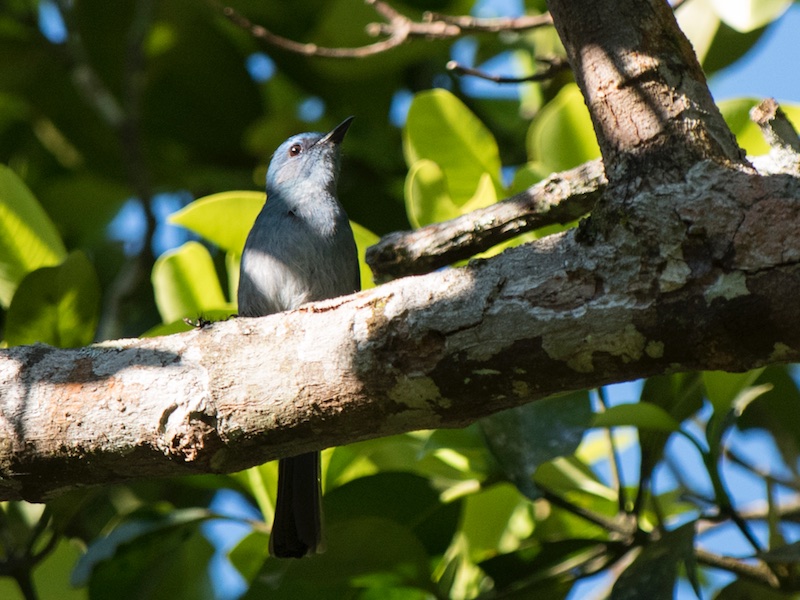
[(655, 569), (428, 199), (59, 305), (364, 239), (495, 520), (641, 415), (249, 554), (561, 136), (522, 438), (186, 283), (28, 238), (51, 576), (137, 533), (361, 552), (747, 15), (405, 498), (723, 388), (169, 564), (223, 219), (441, 129)]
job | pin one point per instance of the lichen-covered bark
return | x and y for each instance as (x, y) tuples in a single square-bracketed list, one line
[(700, 274)]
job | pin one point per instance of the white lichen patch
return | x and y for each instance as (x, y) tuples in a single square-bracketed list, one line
[(486, 372), (675, 274), (727, 286)]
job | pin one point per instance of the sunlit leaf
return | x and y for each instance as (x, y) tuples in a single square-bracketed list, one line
[(641, 415), (561, 136), (364, 239), (186, 283), (441, 129), (723, 388), (28, 238), (223, 219), (746, 15)]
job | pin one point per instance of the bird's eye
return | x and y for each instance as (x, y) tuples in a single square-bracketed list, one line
[(295, 150)]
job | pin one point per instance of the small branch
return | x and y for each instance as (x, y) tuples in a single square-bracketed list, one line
[(399, 31), (561, 198), (397, 27), (780, 134), (496, 25), (756, 572), (620, 527), (615, 463), (553, 66)]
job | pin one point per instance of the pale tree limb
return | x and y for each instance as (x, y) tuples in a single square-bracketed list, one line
[(714, 289), (560, 198)]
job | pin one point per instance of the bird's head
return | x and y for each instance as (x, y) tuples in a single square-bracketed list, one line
[(306, 162)]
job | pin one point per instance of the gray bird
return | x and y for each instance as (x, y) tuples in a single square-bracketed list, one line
[(300, 249)]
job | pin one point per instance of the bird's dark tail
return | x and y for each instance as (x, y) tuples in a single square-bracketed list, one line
[(297, 528)]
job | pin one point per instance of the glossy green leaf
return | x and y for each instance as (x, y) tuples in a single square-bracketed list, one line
[(561, 136), (495, 520), (441, 129), (428, 199), (186, 283), (641, 415), (522, 438), (746, 15), (699, 22), (223, 219), (59, 305), (566, 475), (28, 238), (655, 569)]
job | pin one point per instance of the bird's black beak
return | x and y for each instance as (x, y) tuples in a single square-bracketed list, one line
[(337, 134)]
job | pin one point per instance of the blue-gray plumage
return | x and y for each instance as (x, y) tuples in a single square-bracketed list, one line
[(300, 249)]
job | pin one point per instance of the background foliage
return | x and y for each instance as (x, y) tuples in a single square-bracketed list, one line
[(116, 116)]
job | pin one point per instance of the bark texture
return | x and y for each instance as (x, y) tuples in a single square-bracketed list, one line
[(702, 275)]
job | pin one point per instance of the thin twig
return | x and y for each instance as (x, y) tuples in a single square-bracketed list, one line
[(491, 25), (615, 463), (758, 572), (399, 31), (554, 66)]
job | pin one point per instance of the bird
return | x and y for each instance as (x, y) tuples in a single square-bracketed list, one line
[(300, 249)]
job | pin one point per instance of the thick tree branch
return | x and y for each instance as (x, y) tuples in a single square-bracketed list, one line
[(561, 198), (647, 94), (703, 274)]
